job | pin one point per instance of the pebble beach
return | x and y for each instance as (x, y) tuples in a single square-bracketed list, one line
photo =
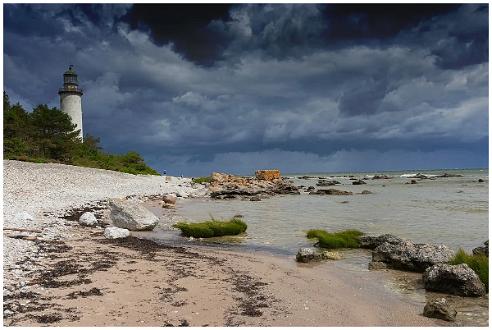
[(59, 273)]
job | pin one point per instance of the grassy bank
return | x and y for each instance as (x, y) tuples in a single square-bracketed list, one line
[(337, 240), (212, 228)]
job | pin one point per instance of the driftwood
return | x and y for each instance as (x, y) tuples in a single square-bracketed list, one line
[(24, 230)]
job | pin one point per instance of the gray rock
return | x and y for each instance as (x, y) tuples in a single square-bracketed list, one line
[(88, 219), (482, 249), (330, 192), (115, 232), (131, 215), (366, 192), (459, 279), (306, 255), (440, 309), (358, 182), (407, 255), (255, 199), (372, 242)]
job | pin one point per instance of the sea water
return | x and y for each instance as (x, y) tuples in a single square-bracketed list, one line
[(451, 211)]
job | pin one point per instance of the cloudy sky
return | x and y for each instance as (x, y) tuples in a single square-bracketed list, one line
[(303, 88)]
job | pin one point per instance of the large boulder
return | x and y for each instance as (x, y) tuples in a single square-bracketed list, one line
[(372, 242), (267, 175), (482, 249), (407, 255), (131, 215), (115, 232), (455, 279), (88, 219), (440, 309)]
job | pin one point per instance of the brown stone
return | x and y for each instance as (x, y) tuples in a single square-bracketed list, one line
[(268, 175)]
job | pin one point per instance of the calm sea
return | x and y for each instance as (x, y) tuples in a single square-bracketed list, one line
[(453, 211)]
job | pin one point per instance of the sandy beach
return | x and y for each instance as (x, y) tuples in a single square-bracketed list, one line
[(69, 275)]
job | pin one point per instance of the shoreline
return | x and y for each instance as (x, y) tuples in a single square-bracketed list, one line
[(71, 275)]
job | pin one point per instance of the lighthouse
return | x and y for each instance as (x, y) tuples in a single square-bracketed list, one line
[(71, 98)]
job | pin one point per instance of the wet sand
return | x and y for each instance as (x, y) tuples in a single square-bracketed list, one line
[(91, 281)]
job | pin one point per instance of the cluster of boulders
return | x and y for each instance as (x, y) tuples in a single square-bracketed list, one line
[(390, 251), (267, 183), (125, 215), (326, 183)]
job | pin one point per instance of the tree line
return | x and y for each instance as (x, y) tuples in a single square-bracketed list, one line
[(48, 135)]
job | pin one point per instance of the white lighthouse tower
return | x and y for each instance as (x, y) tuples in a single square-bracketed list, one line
[(71, 98)]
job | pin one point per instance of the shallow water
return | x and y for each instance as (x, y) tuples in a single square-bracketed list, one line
[(453, 211)]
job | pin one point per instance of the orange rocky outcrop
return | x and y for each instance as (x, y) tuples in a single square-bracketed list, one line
[(268, 175)]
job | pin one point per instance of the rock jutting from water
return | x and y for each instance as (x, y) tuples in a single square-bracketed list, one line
[(407, 255), (306, 255), (440, 309), (482, 249), (358, 182), (226, 186), (267, 175), (330, 192), (326, 183), (459, 279)]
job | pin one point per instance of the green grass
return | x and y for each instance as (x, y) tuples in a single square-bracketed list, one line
[(202, 179), (479, 263), (212, 228), (341, 239)]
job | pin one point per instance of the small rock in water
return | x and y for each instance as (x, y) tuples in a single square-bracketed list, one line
[(440, 309), (88, 219), (366, 192), (332, 255), (481, 180), (306, 255), (482, 249), (255, 199), (115, 232), (358, 182)]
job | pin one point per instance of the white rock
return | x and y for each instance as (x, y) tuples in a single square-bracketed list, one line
[(88, 219), (132, 215), (23, 216), (115, 232)]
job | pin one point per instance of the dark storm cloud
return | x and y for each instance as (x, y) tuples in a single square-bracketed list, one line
[(278, 85)]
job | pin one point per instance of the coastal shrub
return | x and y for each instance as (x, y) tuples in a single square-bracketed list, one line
[(47, 135), (341, 239), (478, 262), (202, 179), (212, 228)]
